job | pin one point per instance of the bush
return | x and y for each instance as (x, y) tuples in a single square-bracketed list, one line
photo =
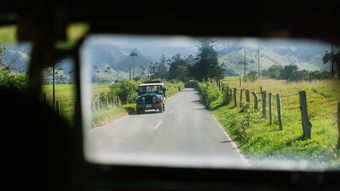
[(13, 81), (125, 90)]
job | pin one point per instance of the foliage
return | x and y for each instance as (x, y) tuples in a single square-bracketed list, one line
[(334, 60), (252, 75), (125, 90), (179, 68), (158, 69), (207, 66), (12, 80)]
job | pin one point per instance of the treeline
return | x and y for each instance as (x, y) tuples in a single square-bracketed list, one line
[(292, 73), (202, 67)]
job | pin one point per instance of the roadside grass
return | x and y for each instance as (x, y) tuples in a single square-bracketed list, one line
[(258, 139)]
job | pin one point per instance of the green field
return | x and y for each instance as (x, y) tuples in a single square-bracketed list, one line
[(65, 94), (258, 139)]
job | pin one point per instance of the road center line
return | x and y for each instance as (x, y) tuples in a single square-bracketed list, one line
[(158, 124)]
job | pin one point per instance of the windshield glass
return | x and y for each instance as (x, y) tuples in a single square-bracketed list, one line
[(156, 89), (230, 103)]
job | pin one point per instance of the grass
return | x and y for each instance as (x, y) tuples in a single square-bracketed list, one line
[(258, 139), (65, 95)]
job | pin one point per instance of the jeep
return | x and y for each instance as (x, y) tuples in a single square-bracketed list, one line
[(151, 95)]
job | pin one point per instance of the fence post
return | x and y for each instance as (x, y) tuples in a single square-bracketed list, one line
[(261, 89), (279, 110), (255, 100), (241, 103), (235, 97), (306, 125), (107, 102), (338, 116), (57, 107), (247, 96), (270, 108), (264, 96), (240, 82)]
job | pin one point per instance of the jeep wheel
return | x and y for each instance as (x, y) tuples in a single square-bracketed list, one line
[(161, 109), (138, 111)]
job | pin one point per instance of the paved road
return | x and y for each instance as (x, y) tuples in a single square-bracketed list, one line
[(186, 134)]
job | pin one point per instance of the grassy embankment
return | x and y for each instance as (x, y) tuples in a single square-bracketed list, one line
[(258, 139), (65, 96)]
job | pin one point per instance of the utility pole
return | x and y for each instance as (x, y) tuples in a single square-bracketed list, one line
[(332, 61), (244, 62), (53, 88), (258, 63)]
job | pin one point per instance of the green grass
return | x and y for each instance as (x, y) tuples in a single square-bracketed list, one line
[(65, 95), (8, 33), (259, 140)]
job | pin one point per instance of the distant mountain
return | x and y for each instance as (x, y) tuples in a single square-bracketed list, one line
[(305, 54), (100, 54), (16, 56)]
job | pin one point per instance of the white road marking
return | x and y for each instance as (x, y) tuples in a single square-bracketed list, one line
[(158, 124)]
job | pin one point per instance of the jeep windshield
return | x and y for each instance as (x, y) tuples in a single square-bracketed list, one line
[(150, 89)]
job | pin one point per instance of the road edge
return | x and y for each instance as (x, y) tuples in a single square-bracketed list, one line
[(243, 158)]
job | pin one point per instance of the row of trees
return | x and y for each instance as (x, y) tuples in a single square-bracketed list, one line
[(292, 73), (201, 67)]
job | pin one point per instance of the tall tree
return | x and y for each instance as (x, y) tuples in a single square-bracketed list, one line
[(207, 64)]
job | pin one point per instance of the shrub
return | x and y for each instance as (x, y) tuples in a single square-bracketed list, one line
[(13, 81), (125, 90)]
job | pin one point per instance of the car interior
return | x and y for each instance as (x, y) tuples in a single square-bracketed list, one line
[(41, 151)]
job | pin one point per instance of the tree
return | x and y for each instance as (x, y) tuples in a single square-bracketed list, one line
[(274, 71), (288, 71), (158, 69), (178, 68), (252, 75), (207, 64), (334, 60)]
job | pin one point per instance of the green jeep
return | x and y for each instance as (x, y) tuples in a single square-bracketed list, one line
[(151, 95)]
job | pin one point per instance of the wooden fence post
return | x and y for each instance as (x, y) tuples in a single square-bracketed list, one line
[(247, 96), (255, 101), (338, 116), (306, 125), (57, 107), (240, 82), (241, 103), (235, 97), (279, 110), (264, 96), (270, 108), (261, 89)]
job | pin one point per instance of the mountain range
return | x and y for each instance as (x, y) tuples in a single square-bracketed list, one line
[(231, 53)]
